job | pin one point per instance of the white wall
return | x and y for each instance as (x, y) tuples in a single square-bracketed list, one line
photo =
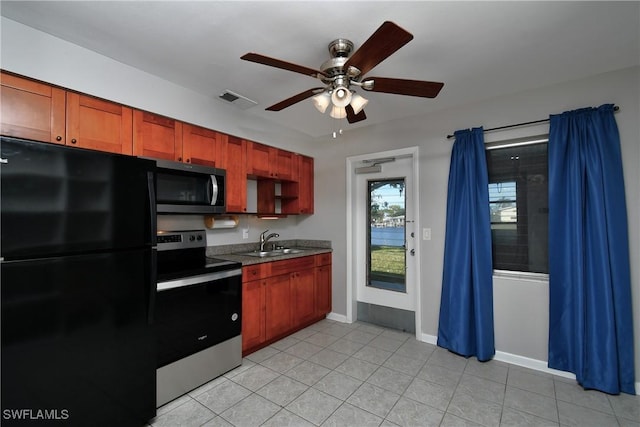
[(521, 306), (32, 53), (36, 54)]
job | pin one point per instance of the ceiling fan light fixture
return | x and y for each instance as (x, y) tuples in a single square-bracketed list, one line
[(358, 102), (341, 97), (338, 112), (321, 101)]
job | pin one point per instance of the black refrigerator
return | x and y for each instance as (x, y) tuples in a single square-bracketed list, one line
[(78, 282)]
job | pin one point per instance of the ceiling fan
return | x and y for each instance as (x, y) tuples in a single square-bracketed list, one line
[(344, 71)]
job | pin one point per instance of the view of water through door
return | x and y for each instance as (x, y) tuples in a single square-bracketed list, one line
[(382, 218), (386, 246)]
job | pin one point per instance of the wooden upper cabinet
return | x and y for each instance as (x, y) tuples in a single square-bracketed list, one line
[(234, 161), (31, 110), (202, 146), (298, 196), (260, 160), (98, 125), (285, 161), (38, 111), (269, 162), (156, 136)]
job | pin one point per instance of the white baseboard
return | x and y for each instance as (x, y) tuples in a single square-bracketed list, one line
[(514, 359), (429, 339), (337, 317), (526, 362)]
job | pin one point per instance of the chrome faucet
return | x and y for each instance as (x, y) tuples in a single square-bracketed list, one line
[(264, 240)]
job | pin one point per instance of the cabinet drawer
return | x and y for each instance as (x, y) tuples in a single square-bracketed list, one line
[(291, 265), (256, 271), (323, 259)]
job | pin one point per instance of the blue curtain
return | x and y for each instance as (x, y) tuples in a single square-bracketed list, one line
[(590, 319), (466, 305)]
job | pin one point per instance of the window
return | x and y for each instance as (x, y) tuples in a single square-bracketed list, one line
[(518, 202), (386, 266)]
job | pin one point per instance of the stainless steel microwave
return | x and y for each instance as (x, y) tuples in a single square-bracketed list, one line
[(183, 188)]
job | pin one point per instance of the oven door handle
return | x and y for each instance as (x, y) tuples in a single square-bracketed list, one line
[(197, 280)]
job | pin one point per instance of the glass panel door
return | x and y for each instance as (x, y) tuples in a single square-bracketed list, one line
[(386, 248)]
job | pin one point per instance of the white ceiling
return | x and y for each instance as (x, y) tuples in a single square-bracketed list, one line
[(478, 49)]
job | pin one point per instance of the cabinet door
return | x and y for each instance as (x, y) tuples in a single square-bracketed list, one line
[(285, 161), (234, 162), (323, 290), (261, 159), (303, 296), (298, 196), (31, 110), (200, 146), (278, 305), (305, 195), (253, 313), (98, 124), (156, 136)]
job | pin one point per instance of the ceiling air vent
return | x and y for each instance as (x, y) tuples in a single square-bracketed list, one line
[(239, 101)]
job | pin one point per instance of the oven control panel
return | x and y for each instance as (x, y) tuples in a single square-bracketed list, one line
[(170, 240)]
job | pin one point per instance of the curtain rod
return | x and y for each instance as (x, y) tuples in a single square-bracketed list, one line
[(615, 108)]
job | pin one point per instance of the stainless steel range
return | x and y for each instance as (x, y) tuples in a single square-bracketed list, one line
[(198, 314)]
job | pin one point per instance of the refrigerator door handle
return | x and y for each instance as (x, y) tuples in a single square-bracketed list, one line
[(153, 279), (152, 207)]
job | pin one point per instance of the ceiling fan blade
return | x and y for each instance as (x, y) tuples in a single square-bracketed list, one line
[(404, 87), (352, 117), (272, 62), (295, 99), (385, 41)]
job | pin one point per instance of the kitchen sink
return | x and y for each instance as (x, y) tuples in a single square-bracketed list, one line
[(275, 252)]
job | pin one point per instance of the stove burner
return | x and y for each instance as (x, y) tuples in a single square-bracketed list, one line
[(182, 254)]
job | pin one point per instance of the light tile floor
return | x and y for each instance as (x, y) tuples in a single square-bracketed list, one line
[(336, 374)]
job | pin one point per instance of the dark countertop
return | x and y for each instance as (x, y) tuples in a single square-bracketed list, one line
[(234, 252), (251, 260)]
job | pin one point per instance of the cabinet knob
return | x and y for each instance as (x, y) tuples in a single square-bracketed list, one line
[(188, 160), (73, 141), (58, 138), (179, 159)]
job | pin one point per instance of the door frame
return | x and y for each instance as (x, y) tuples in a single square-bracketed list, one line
[(351, 164)]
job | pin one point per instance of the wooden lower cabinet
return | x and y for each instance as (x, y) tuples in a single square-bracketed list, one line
[(280, 297), (277, 306), (253, 318), (322, 289), (303, 296)]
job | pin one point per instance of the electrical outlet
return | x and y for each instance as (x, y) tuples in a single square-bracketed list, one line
[(426, 234), (245, 233)]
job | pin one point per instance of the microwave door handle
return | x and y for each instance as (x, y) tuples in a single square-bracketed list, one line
[(214, 190)]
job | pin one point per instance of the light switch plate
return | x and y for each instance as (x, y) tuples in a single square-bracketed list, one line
[(245, 233), (426, 234)]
